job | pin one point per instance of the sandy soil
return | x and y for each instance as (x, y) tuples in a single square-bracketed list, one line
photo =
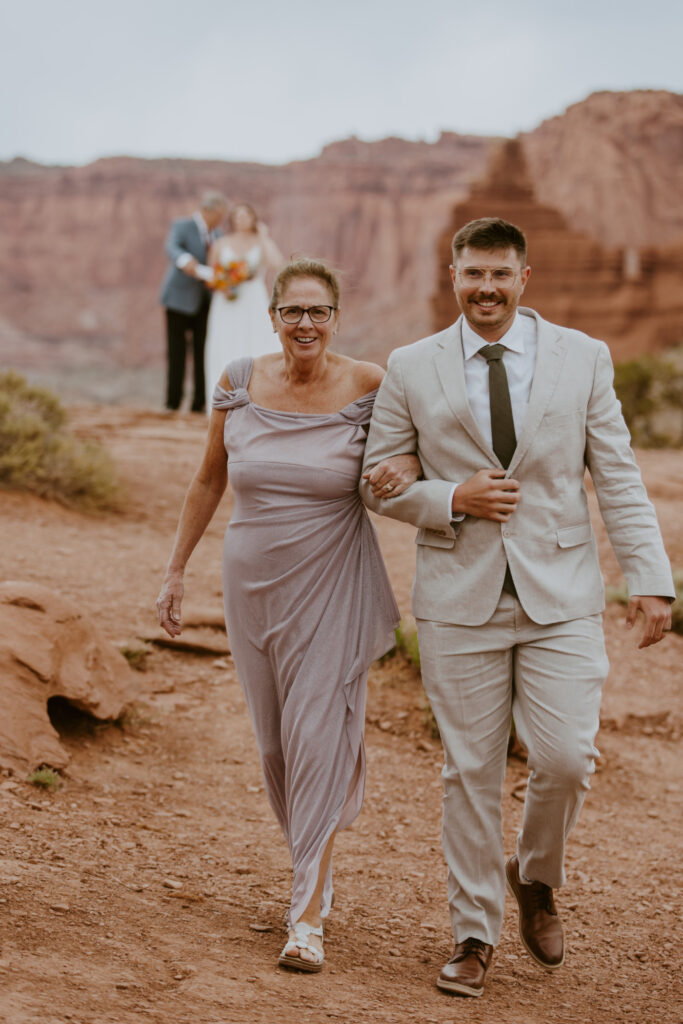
[(152, 885)]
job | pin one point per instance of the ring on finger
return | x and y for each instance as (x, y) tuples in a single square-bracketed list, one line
[(388, 487)]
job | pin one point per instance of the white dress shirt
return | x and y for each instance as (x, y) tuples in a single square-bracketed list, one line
[(519, 360)]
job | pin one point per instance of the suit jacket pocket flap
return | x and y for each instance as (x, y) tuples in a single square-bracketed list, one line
[(434, 539), (570, 536)]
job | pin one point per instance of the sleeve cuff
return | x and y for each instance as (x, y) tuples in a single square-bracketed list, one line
[(454, 517)]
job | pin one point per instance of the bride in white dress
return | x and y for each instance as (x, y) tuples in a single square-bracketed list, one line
[(239, 325)]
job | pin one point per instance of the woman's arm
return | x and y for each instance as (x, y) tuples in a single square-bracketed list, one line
[(201, 501)]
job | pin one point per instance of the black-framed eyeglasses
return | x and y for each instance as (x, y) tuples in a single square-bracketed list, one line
[(294, 314)]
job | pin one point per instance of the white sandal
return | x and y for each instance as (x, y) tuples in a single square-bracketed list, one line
[(300, 941)]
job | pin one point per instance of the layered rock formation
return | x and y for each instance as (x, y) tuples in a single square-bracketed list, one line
[(613, 165), (623, 295), (81, 249), (49, 648)]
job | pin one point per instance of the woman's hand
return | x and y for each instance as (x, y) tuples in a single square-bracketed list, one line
[(168, 604), (393, 476)]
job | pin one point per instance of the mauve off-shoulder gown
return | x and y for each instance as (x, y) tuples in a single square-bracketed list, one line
[(308, 607)]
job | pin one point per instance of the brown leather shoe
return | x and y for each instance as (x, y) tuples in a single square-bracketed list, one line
[(465, 972), (540, 929)]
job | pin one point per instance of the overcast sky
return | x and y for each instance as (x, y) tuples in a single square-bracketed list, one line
[(274, 80)]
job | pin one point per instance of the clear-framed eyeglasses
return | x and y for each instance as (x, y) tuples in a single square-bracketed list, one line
[(478, 275), (295, 314)]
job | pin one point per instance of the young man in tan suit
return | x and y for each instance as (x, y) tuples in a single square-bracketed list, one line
[(506, 412)]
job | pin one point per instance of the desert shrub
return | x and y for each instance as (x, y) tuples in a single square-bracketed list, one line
[(650, 390), (619, 595), (37, 452), (45, 778)]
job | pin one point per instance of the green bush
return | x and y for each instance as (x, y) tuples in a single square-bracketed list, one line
[(619, 595), (45, 778), (650, 390), (37, 452)]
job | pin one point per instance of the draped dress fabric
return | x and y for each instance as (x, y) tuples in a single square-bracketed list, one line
[(240, 326), (308, 607)]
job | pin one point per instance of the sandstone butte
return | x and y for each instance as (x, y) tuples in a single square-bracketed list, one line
[(81, 248), (629, 297)]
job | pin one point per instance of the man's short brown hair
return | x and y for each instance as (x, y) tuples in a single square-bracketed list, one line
[(490, 233)]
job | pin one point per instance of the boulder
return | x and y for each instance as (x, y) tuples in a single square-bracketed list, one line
[(50, 648)]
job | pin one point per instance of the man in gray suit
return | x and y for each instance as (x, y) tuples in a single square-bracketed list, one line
[(186, 297), (506, 412)]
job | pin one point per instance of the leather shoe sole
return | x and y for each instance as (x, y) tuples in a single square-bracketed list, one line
[(458, 988)]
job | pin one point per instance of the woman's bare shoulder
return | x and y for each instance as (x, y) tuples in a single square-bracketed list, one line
[(368, 375), (365, 376)]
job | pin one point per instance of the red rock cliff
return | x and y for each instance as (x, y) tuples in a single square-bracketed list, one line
[(626, 296), (81, 249)]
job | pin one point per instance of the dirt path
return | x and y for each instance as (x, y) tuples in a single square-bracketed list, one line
[(153, 884)]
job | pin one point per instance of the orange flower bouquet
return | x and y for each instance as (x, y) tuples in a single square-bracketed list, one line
[(227, 279)]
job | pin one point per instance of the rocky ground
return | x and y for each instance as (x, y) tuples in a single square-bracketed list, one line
[(151, 886)]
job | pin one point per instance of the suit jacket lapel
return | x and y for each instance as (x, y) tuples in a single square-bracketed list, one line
[(450, 366), (551, 352)]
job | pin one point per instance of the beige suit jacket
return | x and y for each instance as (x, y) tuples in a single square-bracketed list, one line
[(573, 423)]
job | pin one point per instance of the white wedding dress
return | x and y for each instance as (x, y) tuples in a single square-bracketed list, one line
[(238, 327)]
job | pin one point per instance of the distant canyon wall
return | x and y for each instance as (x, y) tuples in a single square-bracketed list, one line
[(81, 249), (629, 297)]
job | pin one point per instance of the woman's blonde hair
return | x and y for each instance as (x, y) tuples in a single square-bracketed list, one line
[(302, 266)]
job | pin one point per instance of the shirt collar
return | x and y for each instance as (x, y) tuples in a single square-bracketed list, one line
[(512, 339)]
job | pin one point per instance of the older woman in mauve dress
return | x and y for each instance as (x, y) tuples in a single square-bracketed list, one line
[(308, 604)]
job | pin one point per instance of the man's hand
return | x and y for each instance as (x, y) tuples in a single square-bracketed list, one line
[(656, 614), (487, 495), (394, 475)]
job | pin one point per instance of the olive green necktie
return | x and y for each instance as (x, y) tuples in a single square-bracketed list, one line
[(503, 438)]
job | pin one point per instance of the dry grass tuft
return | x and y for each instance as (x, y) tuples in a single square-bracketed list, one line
[(45, 778)]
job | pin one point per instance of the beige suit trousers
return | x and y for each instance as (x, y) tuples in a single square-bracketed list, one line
[(549, 678)]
